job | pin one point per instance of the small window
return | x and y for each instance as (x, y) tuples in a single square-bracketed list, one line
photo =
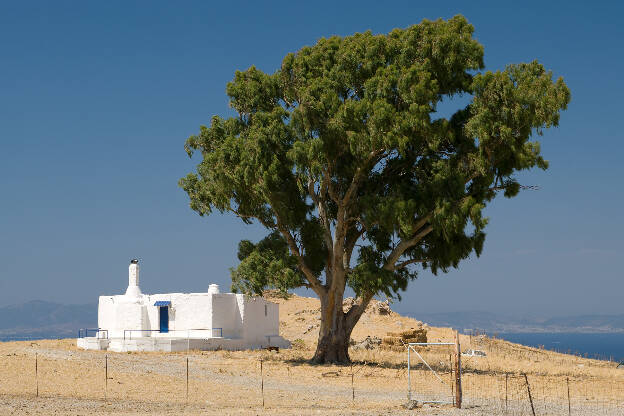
[(266, 310)]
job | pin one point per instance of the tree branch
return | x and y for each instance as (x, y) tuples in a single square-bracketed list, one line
[(359, 174), (342, 219), (408, 262), (356, 311), (322, 210), (316, 284), (352, 239), (244, 216), (329, 186), (419, 224), (391, 263), (404, 245)]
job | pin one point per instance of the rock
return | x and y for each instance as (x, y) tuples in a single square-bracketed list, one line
[(474, 353), (347, 303), (379, 308), (383, 308), (412, 404), (374, 307), (368, 343)]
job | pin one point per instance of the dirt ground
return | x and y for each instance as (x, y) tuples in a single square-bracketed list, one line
[(69, 381)]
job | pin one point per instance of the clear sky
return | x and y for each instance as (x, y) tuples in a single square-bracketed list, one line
[(97, 99)]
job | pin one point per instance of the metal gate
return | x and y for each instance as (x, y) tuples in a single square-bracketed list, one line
[(431, 379)]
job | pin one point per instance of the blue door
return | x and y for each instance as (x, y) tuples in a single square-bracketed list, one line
[(164, 318)]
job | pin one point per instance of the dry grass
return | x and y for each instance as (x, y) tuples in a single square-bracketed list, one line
[(229, 382)]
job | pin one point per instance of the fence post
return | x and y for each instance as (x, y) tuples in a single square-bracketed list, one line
[(262, 382), (37, 373), (352, 387), (106, 377), (458, 386), (529, 391), (409, 376), (187, 376), (452, 378), (506, 379), (569, 406)]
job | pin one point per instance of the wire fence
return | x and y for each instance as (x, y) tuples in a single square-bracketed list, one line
[(431, 376), (193, 378), (522, 394), (223, 380)]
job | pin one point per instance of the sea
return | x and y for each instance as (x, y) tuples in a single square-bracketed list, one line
[(602, 346), (17, 337)]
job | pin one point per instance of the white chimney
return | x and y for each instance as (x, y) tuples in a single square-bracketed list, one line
[(133, 279), (213, 289)]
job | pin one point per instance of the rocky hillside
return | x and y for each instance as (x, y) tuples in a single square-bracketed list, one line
[(300, 320)]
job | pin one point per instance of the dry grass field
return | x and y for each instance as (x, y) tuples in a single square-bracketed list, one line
[(73, 382)]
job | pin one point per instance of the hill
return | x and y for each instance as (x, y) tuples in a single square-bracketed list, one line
[(41, 319)]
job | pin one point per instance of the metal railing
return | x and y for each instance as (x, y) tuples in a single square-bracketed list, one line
[(128, 332), (84, 333)]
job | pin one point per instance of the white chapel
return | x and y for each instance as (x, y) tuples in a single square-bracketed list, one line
[(180, 321)]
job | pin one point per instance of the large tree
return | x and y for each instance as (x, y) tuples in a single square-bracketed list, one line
[(342, 156)]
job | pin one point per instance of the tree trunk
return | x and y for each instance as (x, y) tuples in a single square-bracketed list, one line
[(335, 333)]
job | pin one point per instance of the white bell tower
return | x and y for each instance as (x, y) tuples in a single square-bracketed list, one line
[(133, 279)]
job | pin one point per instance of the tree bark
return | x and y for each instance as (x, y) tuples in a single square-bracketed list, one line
[(335, 332)]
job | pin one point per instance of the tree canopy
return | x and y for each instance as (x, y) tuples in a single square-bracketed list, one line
[(342, 155)]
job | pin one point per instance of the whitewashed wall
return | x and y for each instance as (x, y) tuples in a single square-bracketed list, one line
[(191, 314), (256, 324), (225, 315), (116, 314), (188, 311), (106, 315)]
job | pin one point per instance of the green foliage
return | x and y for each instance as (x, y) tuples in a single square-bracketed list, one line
[(341, 152), (266, 265), (370, 275)]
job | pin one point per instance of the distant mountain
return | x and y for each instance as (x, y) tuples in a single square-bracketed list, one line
[(461, 320), (586, 323), (39, 319), (491, 322)]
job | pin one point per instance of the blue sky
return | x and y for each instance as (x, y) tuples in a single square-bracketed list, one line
[(97, 98)]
